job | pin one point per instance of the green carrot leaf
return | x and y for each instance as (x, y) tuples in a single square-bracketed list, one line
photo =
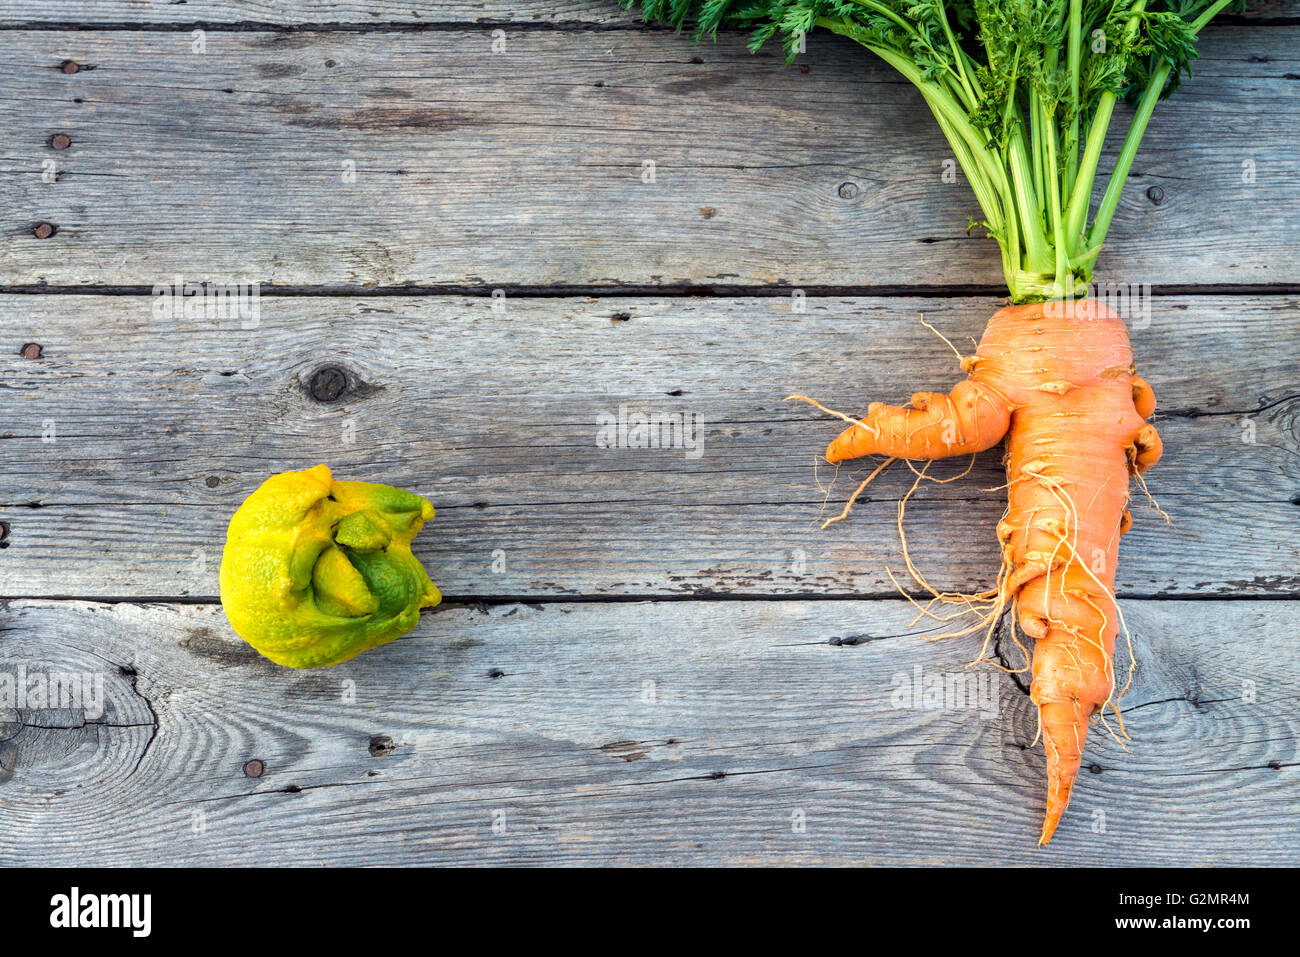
[(1024, 91)]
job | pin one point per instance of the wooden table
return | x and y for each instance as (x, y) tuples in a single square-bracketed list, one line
[(646, 656)]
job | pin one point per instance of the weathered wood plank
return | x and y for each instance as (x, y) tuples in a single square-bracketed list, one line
[(158, 428), (630, 733), (299, 12), (321, 12), (525, 167)]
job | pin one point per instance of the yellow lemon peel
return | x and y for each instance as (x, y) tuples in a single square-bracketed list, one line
[(316, 571)]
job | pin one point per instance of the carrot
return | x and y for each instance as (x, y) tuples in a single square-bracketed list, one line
[(1024, 93), (1056, 380)]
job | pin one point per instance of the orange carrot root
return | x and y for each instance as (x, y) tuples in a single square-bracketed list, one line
[(1056, 380)]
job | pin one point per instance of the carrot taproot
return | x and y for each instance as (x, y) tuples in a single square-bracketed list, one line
[(1056, 379)]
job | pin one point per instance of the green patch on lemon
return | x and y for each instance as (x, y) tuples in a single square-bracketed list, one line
[(316, 571)]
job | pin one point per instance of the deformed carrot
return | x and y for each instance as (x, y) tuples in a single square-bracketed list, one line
[(1057, 380), (1025, 94)]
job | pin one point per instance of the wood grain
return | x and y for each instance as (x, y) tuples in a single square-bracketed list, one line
[(157, 429), (363, 12), (607, 730), (525, 168), (636, 733), (323, 12)]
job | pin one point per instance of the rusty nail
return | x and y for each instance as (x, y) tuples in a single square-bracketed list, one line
[(44, 230), (804, 68), (70, 66), (381, 745), (60, 141), (254, 768), (31, 350)]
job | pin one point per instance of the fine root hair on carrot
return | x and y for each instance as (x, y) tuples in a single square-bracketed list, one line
[(1059, 493), (994, 618), (1142, 484), (1015, 636), (848, 506), (954, 597), (824, 489), (1063, 499), (1008, 615), (1069, 541), (1111, 700), (796, 397), (957, 352), (929, 478), (1128, 680), (1128, 638), (1117, 738), (997, 615), (923, 611), (987, 605)]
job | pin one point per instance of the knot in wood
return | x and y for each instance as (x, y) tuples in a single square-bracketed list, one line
[(327, 383)]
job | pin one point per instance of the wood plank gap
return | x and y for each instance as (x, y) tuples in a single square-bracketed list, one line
[(640, 291), (401, 26), (390, 26), (493, 601)]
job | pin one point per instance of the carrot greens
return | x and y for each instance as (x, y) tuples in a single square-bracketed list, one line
[(1024, 91)]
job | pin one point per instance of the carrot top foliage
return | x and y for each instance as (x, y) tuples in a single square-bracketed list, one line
[(1024, 91)]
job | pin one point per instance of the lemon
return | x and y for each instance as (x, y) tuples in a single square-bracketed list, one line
[(317, 571)]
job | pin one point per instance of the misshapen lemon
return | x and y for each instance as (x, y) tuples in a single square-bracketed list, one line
[(317, 571)]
